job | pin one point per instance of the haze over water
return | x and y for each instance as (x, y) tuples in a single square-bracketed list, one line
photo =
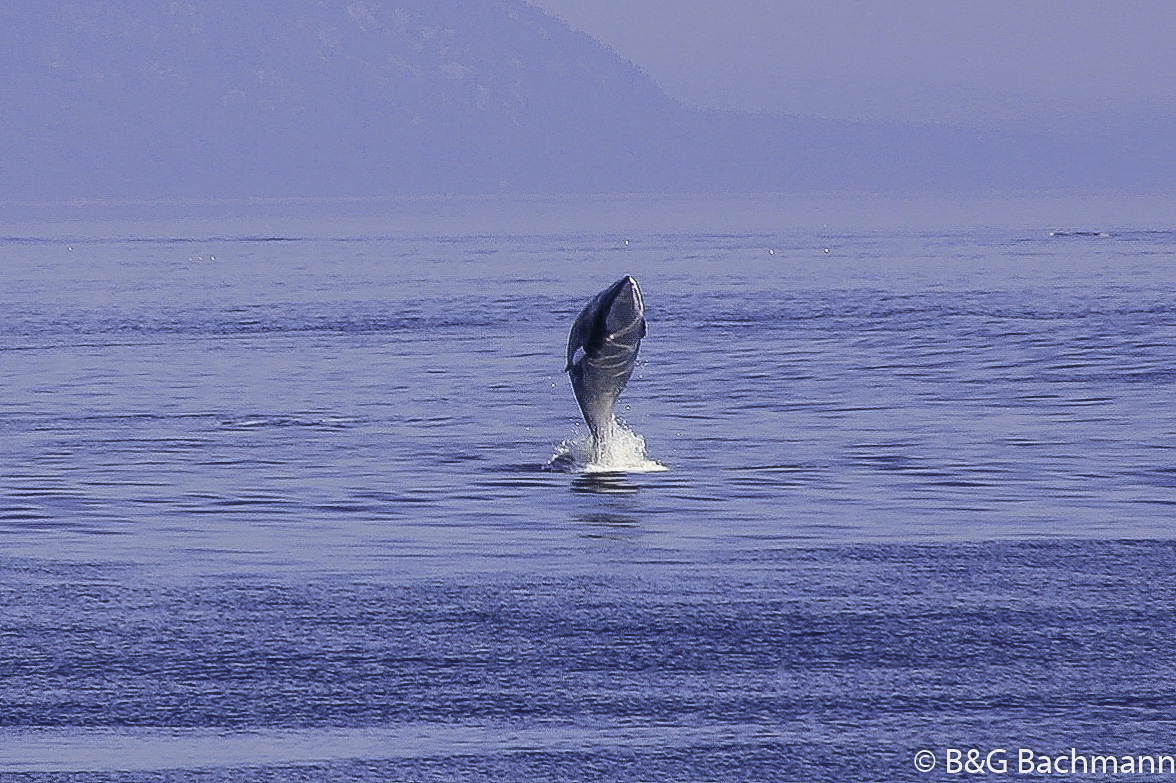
[(274, 504)]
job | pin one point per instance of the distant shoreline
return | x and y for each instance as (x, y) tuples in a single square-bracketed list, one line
[(603, 214)]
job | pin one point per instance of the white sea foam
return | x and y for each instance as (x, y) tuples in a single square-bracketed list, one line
[(618, 450)]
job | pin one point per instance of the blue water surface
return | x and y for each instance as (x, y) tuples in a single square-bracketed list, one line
[(275, 501)]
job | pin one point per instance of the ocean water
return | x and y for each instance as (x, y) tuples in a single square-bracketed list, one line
[(277, 501)]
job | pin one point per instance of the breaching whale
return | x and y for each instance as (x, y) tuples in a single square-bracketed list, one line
[(602, 351)]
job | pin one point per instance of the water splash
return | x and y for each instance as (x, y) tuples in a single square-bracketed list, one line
[(618, 450)]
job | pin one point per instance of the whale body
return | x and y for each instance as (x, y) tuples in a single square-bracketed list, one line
[(602, 351)]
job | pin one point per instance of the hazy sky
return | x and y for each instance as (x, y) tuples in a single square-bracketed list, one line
[(988, 62)]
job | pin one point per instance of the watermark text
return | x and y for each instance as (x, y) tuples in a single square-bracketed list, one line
[(1030, 761)]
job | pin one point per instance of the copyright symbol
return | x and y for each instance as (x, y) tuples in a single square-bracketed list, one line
[(925, 761)]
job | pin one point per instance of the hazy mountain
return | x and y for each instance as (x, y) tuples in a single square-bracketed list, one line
[(271, 97), (228, 98)]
